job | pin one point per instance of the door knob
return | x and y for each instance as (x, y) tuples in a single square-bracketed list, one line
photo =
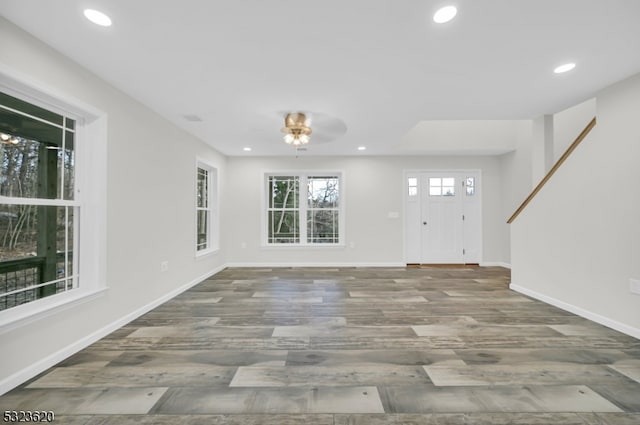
[(424, 222)]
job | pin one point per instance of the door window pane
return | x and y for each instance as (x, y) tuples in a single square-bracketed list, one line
[(412, 183), (442, 186), (470, 186)]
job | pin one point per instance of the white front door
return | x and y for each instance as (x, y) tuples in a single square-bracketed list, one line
[(441, 208), (442, 217)]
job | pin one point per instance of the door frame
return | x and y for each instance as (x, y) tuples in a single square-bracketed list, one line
[(405, 176)]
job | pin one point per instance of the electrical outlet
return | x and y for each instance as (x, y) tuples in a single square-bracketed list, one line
[(164, 266), (243, 245), (634, 286)]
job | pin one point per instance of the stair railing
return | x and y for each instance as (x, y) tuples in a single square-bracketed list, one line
[(553, 169)]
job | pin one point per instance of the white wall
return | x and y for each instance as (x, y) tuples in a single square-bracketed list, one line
[(373, 187), (523, 168), (516, 183), (150, 212), (568, 124), (577, 243)]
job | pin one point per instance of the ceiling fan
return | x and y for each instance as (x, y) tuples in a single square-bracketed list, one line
[(299, 126)]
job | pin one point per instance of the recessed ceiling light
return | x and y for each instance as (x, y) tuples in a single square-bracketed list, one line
[(362, 148), (247, 149), (564, 68), (97, 17), (445, 14)]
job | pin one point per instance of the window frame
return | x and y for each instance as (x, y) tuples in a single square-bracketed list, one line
[(303, 178), (89, 201), (212, 209), (284, 209)]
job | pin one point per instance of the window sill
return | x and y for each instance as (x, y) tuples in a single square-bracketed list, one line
[(300, 246), (206, 253), (25, 314)]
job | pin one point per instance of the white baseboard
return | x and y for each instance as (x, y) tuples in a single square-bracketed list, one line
[(495, 264), (330, 265), (594, 317), (25, 374)]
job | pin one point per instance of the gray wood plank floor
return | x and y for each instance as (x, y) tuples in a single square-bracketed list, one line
[(342, 346)]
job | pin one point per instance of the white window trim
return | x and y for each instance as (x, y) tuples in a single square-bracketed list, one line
[(213, 236), (303, 175), (90, 195)]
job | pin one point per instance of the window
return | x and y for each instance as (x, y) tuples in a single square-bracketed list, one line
[(206, 209), (442, 186), (283, 215), (412, 184), (314, 199), (38, 209), (322, 209), (470, 185)]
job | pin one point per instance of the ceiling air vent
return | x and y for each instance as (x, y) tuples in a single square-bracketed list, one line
[(192, 118)]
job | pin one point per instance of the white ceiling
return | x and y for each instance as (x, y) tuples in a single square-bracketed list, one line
[(454, 137), (382, 67)]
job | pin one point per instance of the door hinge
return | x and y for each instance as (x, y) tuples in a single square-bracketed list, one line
[(462, 217), (463, 251)]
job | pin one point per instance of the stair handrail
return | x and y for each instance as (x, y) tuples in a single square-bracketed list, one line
[(553, 169)]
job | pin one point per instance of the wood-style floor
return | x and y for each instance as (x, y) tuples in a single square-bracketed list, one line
[(347, 346)]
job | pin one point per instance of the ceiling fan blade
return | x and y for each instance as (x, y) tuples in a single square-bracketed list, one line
[(326, 128)]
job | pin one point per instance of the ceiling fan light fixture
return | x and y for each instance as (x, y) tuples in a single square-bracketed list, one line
[(296, 139), (296, 129), (304, 139)]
